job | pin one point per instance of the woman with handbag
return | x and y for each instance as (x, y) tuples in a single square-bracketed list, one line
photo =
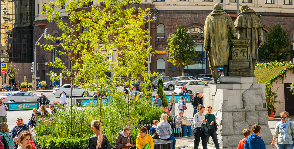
[(182, 105), (198, 121), (182, 122), (284, 132)]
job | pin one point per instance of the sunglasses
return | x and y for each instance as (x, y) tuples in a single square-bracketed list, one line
[(283, 117)]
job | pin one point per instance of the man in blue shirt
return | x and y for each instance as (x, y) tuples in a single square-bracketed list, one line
[(254, 141), (18, 129), (157, 101)]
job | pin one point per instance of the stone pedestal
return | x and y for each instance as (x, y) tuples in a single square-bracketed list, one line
[(238, 103)]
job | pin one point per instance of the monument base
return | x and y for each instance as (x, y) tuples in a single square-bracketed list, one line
[(238, 103)]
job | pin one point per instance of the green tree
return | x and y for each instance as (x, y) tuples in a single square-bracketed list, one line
[(181, 50), (92, 37), (276, 45), (160, 92)]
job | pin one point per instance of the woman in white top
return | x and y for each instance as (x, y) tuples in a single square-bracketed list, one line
[(63, 97), (198, 121), (181, 104)]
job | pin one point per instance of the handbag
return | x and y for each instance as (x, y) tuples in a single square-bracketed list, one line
[(185, 122), (155, 136), (184, 105)]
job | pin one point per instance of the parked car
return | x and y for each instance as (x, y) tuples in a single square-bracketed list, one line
[(170, 85), (165, 79), (191, 85), (204, 76), (77, 90), (20, 97), (206, 80)]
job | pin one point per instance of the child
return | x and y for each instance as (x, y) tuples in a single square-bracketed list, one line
[(53, 110), (254, 141), (212, 127), (32, 122), (246, 133)]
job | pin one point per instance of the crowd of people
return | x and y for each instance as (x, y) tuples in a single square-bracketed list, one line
[(204, 124)]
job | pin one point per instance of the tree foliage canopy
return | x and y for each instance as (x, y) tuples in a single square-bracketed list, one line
[(181, 50), (276, 45), (95, 35)]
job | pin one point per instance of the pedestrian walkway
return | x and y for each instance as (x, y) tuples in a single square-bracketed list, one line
[(188, 142)]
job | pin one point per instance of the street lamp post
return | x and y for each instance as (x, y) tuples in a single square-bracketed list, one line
[(35, 57), (149, 28)]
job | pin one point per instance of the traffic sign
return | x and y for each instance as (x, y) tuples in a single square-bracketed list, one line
[(3, 65), (3, 71)]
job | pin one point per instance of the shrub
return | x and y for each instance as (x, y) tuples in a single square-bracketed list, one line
[(43, 84), (23, 84), (30, 85), (115, 116)]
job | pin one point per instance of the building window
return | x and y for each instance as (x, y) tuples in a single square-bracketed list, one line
[(20, 17), (269, 1), (196, 33), (207, 0), (287, 2), (63, 6), (27, 16), (160, 31), (54, 55), (292, 37), (158, 0), (247, 1), (44, 9), (55, 40), (264, 34), (173, 68), (232, 1), (38, 8), (161, 66)]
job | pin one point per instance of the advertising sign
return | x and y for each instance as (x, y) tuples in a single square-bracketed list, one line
[(23, 106), (92, 102), (186, 98)]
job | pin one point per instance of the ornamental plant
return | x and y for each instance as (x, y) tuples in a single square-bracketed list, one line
[(23, 84), (276, 71)]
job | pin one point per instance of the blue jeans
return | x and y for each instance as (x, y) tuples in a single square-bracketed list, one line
[(195, 111), (185, 128), (285, 146), (181, 110), (174, 141)]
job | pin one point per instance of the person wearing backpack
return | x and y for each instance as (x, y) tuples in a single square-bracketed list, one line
[(284, 132), (6, 137)]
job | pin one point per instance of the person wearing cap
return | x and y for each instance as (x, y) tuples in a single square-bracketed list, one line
[(3, 112), (18, 129)]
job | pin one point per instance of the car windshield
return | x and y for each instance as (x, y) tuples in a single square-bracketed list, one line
[(182, 83)]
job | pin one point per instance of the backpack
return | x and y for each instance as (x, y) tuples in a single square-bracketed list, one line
[(1, 143), (8, 139)]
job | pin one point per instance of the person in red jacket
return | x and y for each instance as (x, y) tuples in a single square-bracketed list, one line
[(246, 133)]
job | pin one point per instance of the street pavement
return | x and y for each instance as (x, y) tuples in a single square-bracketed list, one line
[(183, 142)]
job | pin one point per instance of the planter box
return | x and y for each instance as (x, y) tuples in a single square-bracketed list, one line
[(24, 89), (43, 88)]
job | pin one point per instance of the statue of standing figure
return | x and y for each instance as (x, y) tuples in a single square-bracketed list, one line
[(249, 26), (218, 30)]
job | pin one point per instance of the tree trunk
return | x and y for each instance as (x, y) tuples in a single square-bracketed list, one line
[(183, 71)]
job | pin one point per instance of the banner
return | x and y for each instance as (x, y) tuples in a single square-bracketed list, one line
[(22, 106)]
